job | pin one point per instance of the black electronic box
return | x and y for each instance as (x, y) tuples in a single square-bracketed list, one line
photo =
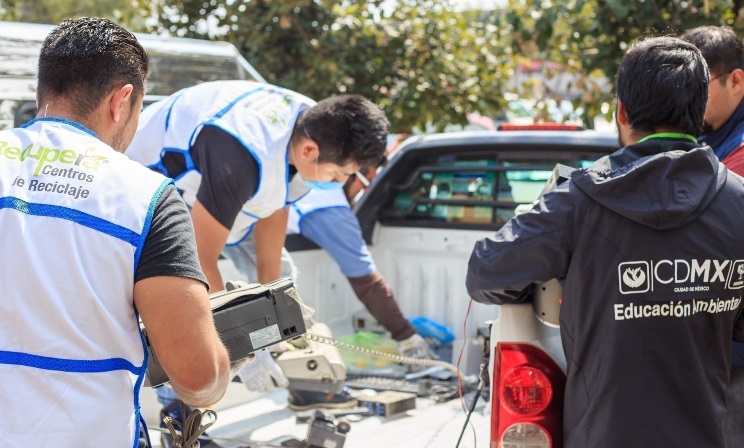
[(248, 317)]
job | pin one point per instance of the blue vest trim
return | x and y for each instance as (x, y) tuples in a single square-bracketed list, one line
[(286, 165), (148, 221), (74, 124), (84, 219), (211, 122), (160, 168), (248, 232), (68, 365), (286, 161), (250, 214), (250, 151), (137, 387), (225, 109), (170, 109), (145, 431), (295, 201)]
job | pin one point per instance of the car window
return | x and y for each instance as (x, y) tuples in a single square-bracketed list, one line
[(172, 72), (465, 191)]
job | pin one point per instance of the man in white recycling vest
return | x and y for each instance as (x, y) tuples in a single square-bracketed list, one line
[(91, 242), (240, 152)]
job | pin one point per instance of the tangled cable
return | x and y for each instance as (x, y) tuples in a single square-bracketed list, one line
[(366, 351), (186, 435)]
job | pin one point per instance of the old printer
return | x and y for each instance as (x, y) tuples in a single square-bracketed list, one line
[(248, 317)]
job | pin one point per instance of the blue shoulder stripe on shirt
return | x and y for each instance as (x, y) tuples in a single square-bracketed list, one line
[(84, 219)]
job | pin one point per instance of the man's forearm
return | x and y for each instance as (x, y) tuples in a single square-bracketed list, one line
[(269, 270), (270, 236), (374, 293), (491, 279), (212, 272)]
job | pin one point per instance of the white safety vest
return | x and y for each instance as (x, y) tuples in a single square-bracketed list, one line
[(74, 215), (260, 116), (314, 200)]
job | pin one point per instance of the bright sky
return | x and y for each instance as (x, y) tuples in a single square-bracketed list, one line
[(482, 4), (462, 4)]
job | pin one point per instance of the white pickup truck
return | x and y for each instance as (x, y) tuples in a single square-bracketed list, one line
[(421, 217)]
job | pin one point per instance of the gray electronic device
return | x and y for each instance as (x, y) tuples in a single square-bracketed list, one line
[(248, 317)]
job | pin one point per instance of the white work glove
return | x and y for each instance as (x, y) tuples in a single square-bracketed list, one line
[(263, 374), (416, 347)]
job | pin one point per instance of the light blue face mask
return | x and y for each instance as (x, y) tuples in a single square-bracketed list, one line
[(320, 185), (323, 185)]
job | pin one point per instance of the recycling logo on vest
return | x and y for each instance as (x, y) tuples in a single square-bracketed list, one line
[(67, 165)]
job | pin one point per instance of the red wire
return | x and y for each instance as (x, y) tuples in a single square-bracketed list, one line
[(459, 359)]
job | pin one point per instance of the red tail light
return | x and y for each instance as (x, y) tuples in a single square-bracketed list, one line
[(527, 398)]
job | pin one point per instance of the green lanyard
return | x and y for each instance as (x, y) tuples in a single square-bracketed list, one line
[(668, 135)]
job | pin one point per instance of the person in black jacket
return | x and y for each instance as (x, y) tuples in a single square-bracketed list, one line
[(723, 51), (647, 245)]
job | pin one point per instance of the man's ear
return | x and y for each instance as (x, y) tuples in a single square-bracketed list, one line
[(120, 98), (309, 150), (622, 114), (737, 81)]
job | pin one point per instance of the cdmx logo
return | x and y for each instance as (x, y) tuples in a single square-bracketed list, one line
[(681, 275), (634, 277), (738, 281)]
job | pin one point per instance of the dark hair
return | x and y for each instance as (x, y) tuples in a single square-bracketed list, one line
[(347, 128), (720, 46), (86, 58), (663, 84)]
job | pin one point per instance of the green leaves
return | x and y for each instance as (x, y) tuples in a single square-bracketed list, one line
[(131, 13), (423, 62), (587, 38), (619, 9)]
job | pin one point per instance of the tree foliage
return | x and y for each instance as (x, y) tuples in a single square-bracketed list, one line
[(132, 13), (589, 37), (422, 62)]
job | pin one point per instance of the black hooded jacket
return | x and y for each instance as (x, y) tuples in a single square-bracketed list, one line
[(649, 245)]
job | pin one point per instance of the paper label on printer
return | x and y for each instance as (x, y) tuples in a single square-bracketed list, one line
[(265, 336)]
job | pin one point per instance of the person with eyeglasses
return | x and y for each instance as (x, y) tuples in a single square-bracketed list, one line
[(240, 152), (723, 51), (326, 219), (724, 116), (646, 243)]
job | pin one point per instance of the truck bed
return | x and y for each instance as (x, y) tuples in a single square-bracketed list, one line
[(263, 420)]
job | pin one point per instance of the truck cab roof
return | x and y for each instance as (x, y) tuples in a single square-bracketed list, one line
[(175, 63)]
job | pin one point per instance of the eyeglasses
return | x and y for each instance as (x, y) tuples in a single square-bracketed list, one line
[(362, 179), (713, 78)]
